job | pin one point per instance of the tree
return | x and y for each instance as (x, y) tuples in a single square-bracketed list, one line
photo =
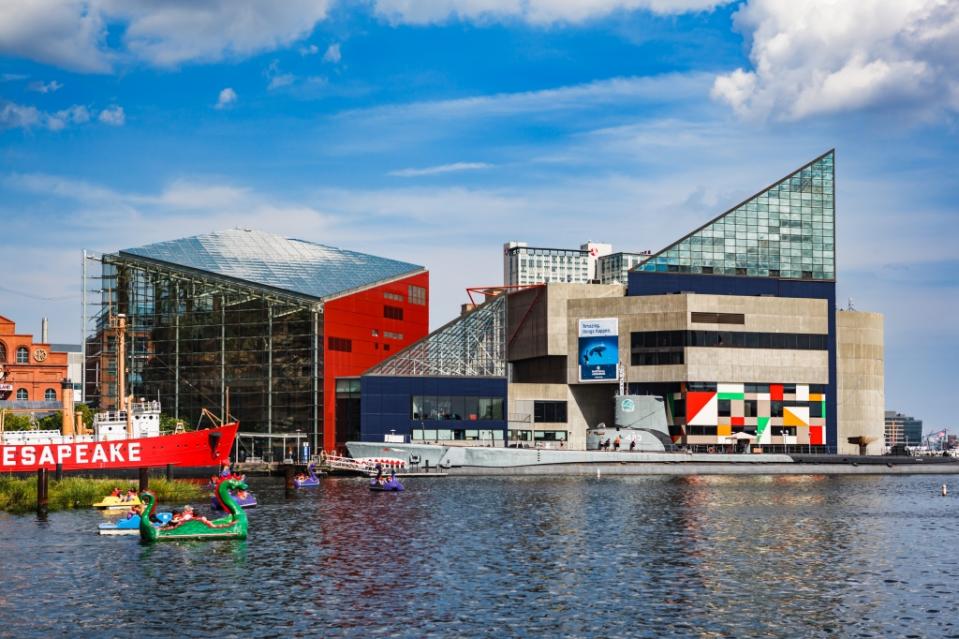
[(13, 421)]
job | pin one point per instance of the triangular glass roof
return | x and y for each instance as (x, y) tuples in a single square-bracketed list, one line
[(266, 259), (472, 345), (785, 231)]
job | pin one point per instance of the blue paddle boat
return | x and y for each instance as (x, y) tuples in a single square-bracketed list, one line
[(308, 481), (131, 525)]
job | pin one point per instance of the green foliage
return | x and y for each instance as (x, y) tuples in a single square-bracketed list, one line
[(12, 421), (168, 423), (87, 413), (20, 495), (51, 422)]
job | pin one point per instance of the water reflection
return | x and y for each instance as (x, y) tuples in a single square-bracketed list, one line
[(624, 556)]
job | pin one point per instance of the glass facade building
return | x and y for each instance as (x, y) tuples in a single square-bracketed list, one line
[(777, 243), (240, 318), (786, 231)]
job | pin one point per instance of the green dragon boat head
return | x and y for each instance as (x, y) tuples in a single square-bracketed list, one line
[(233, 526)]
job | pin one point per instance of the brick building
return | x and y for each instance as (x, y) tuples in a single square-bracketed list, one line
[(29, 371)]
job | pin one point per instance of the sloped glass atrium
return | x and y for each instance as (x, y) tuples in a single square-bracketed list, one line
[(473, 345), (786, 231)]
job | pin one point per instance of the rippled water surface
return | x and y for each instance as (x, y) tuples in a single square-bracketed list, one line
[(514, 557)]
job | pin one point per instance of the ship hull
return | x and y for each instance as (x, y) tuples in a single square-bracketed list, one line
[(208, 447)]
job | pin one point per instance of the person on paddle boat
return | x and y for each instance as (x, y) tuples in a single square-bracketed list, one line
[(380, 479), (225, 471), (116, 492), (131, 495), (184, 515), (242, 494), (135, 511)]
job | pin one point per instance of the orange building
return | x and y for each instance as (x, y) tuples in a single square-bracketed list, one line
[(29, 371)]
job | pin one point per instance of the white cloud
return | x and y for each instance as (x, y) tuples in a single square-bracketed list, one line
[(226, 99), (280, 80), (13, 115), (532, 11), (311, 49), (73, 33), (45, 87), (824, 56), (67, 33), (114, 116), (76, 114), (333, 53), (442, 168)]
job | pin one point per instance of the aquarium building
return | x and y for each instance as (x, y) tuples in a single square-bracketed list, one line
[(734, 324), (273, 330)]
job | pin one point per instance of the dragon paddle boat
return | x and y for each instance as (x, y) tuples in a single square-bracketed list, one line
[(307, 481), (233, 526), (243, 498)]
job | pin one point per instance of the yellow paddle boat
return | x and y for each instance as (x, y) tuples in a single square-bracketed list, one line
[(113, 502)]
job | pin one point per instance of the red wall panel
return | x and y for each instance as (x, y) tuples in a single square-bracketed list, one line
[(360, 318)]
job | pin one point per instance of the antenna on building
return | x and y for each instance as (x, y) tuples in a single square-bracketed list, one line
[(849, 306)]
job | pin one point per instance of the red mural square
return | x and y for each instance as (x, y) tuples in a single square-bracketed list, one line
[(815, 436), (776, 392), (738, 421)]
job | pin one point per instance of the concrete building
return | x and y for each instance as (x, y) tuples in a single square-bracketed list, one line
[(734, 325), (525, 265), (278, 328), (902, 430)]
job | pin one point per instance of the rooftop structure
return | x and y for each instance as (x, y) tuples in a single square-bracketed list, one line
[(785, 231)]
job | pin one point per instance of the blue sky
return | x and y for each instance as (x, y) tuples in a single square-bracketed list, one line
[(435, 130)]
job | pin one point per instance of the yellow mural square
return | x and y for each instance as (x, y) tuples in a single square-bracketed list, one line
[(796, 416)]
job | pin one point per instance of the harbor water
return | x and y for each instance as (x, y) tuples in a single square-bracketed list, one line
[(756, 556)]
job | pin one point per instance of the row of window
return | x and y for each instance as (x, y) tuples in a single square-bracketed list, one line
[(776, 431), (49, 395), (788, 389), (449, 434), (730, 339), (751, 408), (392, 312), (23, 354), (456, 407), (414, 295)]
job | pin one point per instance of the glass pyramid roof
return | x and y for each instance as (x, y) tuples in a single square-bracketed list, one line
[(472, 345), (292, 265), (786, 231)]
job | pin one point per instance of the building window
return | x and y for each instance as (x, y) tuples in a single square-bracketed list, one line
[(392, 335), (417, 295), (3, 353), (551, 412), (341, 344), (456, 408), (393, 312), (50, 395), (717, 318), (396, 297), (22, 394), (23, 355)]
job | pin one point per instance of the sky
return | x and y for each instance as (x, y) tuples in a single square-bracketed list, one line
[(433, 131)]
